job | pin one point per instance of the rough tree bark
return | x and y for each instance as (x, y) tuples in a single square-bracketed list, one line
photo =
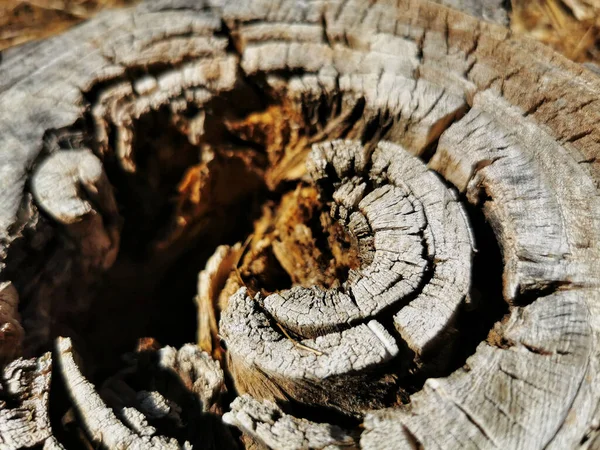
[(391, 210)]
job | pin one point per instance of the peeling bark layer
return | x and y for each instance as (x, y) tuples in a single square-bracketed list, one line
[(320, 165)]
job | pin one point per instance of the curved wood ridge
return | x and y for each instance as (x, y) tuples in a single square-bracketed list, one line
[(415, 250), (24, 420), (333, 157)]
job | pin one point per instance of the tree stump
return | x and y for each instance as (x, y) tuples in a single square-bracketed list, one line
[(380, 221)]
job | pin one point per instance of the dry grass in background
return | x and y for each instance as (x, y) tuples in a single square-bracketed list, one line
[(570, 26), (26, 20)]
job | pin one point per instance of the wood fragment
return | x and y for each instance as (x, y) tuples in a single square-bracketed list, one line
[(199, 373), (73, 189), (183, 385), (267, 423), (211, 282), (24, 396), (100, 422), (265, 363)]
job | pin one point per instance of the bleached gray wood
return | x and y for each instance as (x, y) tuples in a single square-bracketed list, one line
[(24, 395), (101, 423), (592, 66), (134, 418), (377, 68), (388, 223), (489, 10), (73, 189), (545, 362), (266, 422), (264, 362), (409, 228), (155, 406), (124, 103), (401, 227), (450, 247), (197, 371), (408, 70), (540, 201)]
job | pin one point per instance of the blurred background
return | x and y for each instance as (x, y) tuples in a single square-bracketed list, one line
[(570, 26), (26, 20)]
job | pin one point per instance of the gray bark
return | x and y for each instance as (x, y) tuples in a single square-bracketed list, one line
[(405, 116)]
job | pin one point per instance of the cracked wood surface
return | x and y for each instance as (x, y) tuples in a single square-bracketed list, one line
[(274, 428), (24, 397), (128, 423), (100, 421), (500, 124), (416, 249)]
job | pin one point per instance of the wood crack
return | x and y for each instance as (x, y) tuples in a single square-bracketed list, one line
[(143, 140)]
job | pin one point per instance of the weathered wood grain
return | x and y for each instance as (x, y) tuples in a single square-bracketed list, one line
[(187, 375), (275, 429), (100, 421), (57, 189), (416, 114), (24, 396)]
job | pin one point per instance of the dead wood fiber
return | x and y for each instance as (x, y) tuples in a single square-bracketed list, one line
[(316, 224)]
